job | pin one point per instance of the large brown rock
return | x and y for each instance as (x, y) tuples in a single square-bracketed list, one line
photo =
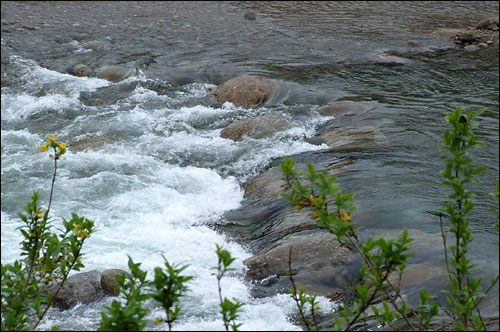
[(115, 73), (343, 108), (108, 281), (447, 33), (311, 252), (256, 127), (246, 91)]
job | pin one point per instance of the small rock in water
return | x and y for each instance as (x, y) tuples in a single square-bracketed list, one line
[(250, 16), (471, 48), (490, 23), (413, 43)]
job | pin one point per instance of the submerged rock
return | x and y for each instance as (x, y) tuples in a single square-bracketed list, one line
[(91, 142), (256, 127), (352, 138), (343, 108), (246, 91)]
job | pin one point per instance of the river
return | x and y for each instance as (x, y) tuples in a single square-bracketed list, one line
[(156, 174)]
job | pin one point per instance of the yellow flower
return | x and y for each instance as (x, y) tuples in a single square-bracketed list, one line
[(52, 139), (344, 216), (318, 308), (158, 320), (83, 234), (77, 227), (299, 207), (315, 215), (43, 148), (38, 214), (62, 147)]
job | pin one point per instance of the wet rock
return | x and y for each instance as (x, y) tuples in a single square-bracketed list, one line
[(352, 138), (115, 73), (91, 142), (490, 23), (82, 287), (246, 91), (270, 184), (415, 274), (107, 95), (108, 281), (256, 127), (81, 70), (471, 48), (250, 16), (468, 36), (318, 251), (343, 108)]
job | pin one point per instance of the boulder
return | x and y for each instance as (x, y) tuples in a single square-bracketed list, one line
[(316, 251), (246, 91), (490, 23), (468, 36), (343, 108), (108, 281), (97, 45), (256, 127), (270, 184), (82, 287), (352, 138)]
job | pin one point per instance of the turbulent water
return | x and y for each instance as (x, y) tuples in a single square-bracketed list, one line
[(157, 174)]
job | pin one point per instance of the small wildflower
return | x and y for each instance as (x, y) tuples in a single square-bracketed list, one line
[(43, 148), (83, 234), (76, 229), (38, 214), (52, 139), (318, 308), (62, 148), (315, 215), (345, 217), (299, 207), (158, 320)]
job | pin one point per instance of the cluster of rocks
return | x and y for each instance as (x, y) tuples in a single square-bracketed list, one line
[(86, 287), (483, 35)]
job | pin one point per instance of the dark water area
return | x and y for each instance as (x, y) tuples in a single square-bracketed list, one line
[(319, 51)]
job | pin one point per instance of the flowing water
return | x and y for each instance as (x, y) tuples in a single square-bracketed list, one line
[(158, 175)]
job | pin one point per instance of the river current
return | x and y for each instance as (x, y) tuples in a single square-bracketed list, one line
[(156, 175)]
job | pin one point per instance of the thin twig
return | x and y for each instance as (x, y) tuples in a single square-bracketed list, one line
[(302, 316), (445, 247)]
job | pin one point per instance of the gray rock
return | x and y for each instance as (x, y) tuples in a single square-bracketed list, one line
[(108, 281), (246, 91), (471, 48), (256, 127), (413, 43), (250, 16), (82, 287)]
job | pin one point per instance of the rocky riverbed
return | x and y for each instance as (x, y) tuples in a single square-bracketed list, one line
[(279, 70)]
